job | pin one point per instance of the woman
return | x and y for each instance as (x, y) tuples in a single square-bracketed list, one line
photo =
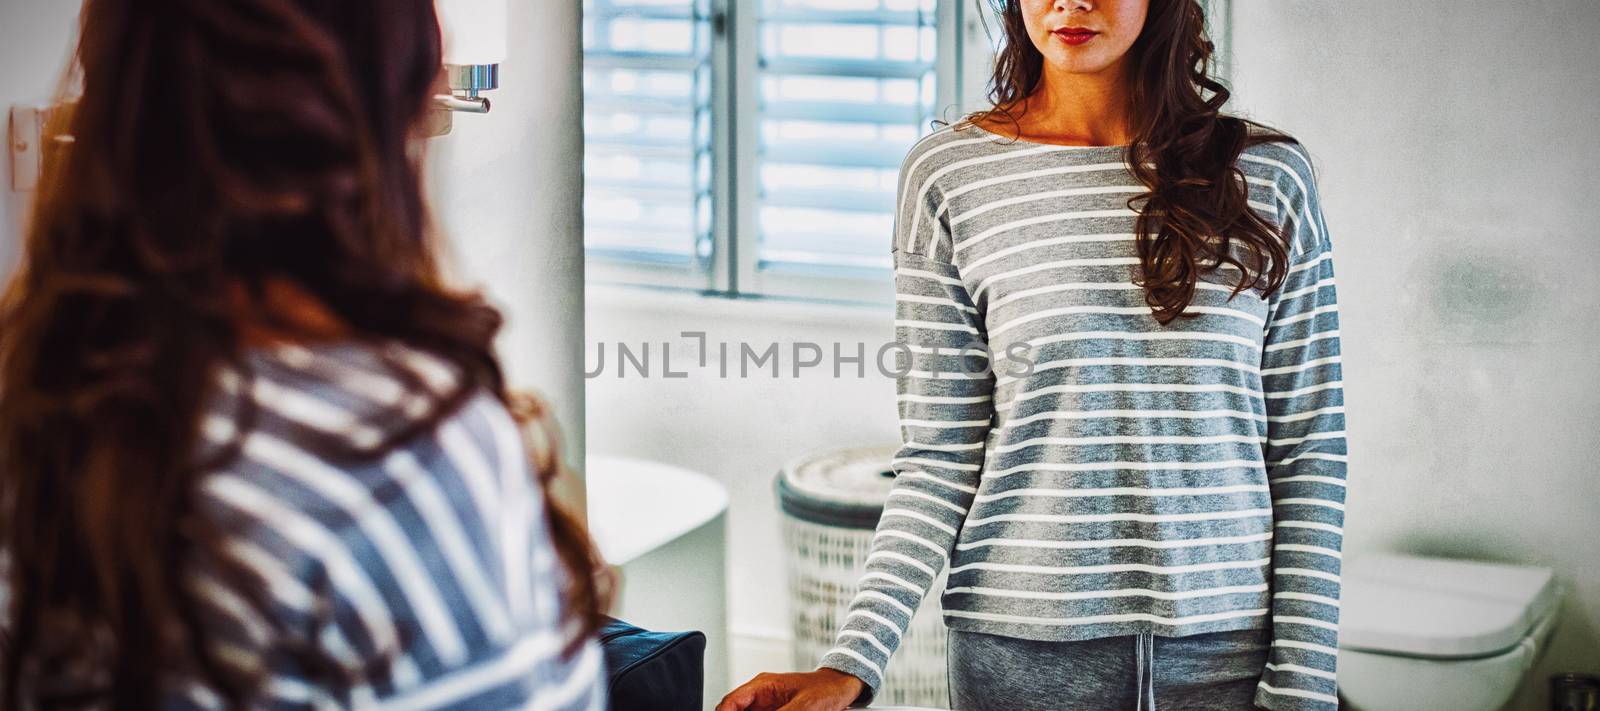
[(1146, 508), (252, 452)]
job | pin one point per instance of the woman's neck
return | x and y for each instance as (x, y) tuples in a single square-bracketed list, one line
[(1075, 107)]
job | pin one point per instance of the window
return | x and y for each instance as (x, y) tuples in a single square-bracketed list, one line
[(647, 138), (843, 90), (750, 147)]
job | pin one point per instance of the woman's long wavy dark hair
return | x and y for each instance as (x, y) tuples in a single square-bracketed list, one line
[(1195, 215), (217, 145)]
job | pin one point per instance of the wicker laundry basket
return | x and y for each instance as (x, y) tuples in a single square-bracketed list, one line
[(831, 502)]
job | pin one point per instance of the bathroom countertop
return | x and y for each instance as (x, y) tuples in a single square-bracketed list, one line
[(637, 505)]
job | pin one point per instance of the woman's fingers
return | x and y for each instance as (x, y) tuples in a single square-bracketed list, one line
[(737, 700), (809, 691), (746, 696), (803, 703)]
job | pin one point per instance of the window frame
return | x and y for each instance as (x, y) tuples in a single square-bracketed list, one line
[(862, 284), (605, 265)]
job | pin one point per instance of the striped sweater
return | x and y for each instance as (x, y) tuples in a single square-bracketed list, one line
[(423, 579), (1080, 469)]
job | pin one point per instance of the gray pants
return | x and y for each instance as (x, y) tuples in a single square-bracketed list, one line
[(1212, 671)]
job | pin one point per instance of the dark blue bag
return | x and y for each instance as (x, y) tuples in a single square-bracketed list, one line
[(653, 671)]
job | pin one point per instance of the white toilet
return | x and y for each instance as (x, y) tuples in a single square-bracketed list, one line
[(1420, 633)]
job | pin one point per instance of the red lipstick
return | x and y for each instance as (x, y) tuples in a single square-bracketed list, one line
[(1075, 35)]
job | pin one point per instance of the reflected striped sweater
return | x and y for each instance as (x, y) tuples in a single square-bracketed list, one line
[(1098, 473), (424, 577)]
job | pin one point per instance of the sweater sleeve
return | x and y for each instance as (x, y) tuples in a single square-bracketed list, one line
[(945, 385), (1306, 459)]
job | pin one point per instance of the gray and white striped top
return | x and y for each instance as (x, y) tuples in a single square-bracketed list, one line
[(425, 578), (1108, 475)]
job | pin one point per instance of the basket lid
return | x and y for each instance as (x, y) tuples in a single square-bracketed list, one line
[(839, 487), (1441, 608)]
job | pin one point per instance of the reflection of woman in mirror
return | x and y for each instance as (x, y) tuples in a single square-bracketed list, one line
[(252, 452), (1148, 508)]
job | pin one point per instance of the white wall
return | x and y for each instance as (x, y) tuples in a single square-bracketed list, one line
[(1458, 153), (35, 45), (738, 430), (1456, 149), (506, 188)]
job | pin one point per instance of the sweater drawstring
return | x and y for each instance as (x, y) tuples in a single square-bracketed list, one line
[(1144, 653)]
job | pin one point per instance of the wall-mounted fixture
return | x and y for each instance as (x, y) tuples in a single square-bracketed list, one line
[(32, 132), (474, 35), (474, 47)]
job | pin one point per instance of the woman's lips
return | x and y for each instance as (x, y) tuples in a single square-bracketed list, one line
[(1075, 36)]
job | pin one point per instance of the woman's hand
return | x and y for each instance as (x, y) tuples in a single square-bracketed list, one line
[(821, 690)]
